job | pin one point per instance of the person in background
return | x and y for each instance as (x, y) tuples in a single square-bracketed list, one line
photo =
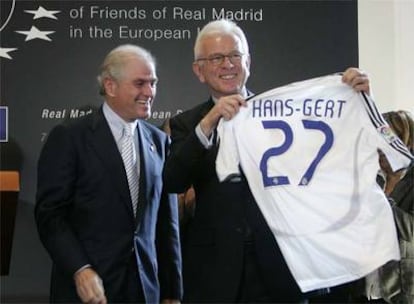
[(229, 252), (101, 209), (394, 282)]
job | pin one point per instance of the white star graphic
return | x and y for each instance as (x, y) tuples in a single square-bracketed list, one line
[(34, 33), (42, 13), (4, 52)]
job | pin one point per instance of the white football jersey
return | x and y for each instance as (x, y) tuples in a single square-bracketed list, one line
[(309, 151)]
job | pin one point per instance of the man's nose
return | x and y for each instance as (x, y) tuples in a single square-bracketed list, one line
[(148, 90), (227, 61)]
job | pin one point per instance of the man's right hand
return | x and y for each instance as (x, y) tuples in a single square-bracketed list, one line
[(226, 107), (89, 287)]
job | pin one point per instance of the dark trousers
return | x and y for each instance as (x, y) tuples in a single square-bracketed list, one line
[(251, 288), (131, 284)]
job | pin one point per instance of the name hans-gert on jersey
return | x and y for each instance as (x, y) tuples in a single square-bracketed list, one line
[(326, 108)]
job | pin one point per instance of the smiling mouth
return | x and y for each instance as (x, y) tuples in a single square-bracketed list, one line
[(142, 102), (228, 77)]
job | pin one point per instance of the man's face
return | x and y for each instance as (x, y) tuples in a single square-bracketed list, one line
[(229, 76), (132, 95)]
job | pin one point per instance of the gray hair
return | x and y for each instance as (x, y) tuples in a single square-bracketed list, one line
[(115, 60), (221, 27)]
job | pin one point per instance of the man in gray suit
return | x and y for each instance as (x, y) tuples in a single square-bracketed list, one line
[(107, 244)]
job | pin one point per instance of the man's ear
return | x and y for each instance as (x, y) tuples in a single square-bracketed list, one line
[(197, 70), (110, 86), (248, 61)]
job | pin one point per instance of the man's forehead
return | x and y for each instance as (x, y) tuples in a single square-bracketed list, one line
[(222, 41), (140, 68), (145, 77)]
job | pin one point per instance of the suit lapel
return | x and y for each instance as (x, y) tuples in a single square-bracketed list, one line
[(147, 149), (105, 147)]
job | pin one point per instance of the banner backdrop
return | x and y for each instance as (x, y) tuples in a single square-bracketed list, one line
[(50, 53)]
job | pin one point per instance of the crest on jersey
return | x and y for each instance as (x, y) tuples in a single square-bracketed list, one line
[(387, 133)]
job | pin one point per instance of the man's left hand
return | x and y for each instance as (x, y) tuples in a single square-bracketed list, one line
[(357, 79)]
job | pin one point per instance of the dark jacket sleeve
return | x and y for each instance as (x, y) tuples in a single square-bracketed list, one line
[(187, 156), (168, 246), (55, 181)]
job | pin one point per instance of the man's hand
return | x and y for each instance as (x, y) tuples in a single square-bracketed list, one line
[(226, 107), (89, 287), (357, 79)]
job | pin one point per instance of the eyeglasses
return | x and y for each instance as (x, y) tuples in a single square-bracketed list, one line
[(218, 59)]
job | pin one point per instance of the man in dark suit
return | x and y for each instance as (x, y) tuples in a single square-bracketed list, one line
[(229, 252), (106, 245)]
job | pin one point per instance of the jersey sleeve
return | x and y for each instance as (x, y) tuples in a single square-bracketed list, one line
[(390, 144)]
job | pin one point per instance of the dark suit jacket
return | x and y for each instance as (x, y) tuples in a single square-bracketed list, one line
[(84, 212), (213, 243)]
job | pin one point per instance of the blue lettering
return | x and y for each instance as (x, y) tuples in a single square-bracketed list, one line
[(341, 103), (278, 108), (323, 108), (307, 109), (267, 108), (289, 108), (329, 108), (257, 108), (318, 107)]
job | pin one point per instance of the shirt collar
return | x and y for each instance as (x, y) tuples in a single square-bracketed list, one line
[(116, 123), (245, 93)]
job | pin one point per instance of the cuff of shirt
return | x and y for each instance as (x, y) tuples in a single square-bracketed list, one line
[(82, 268), (206, 142)]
